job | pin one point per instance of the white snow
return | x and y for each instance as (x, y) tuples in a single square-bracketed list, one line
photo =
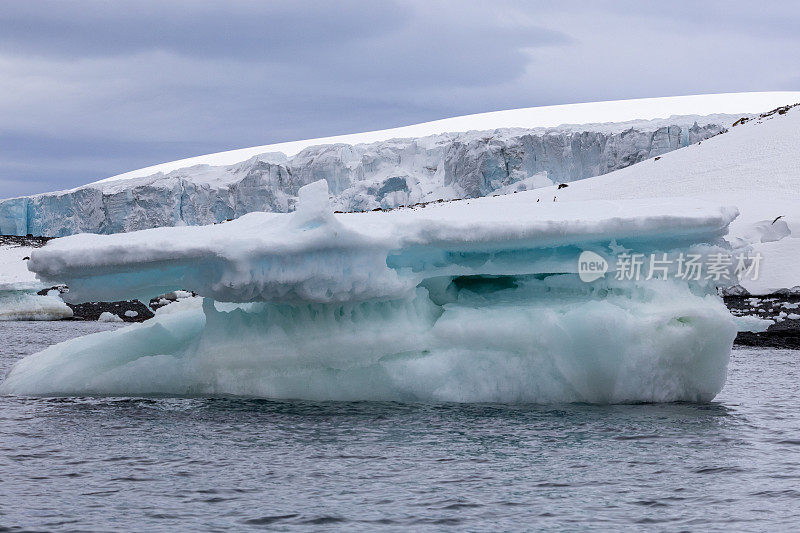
[(780, 265), (131, 314), (755, 166), (180, 305), (18, 288), (14, 273), (531, 117), (105, 316), (182, 294)]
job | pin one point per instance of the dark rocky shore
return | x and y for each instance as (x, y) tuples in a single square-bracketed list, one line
[(123, 310), (128, 311), (783, 308), (27, 240)]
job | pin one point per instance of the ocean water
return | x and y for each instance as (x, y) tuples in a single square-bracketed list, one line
[(211, 464)]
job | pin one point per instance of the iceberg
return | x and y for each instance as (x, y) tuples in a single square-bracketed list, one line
[(468, 301)]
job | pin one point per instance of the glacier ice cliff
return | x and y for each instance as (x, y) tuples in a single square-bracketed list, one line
[(361, 177), (475, 300)]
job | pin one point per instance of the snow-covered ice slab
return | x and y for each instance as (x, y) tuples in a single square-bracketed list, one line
[(316, 256), (469, 301)]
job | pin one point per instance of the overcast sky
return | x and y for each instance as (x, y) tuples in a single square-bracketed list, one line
[(92, 88)]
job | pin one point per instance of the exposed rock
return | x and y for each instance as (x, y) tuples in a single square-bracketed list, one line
[(780, 307), (60, 288), (170, 297), (93, 310)]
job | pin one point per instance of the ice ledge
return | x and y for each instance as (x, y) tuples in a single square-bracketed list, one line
[(313, 255)]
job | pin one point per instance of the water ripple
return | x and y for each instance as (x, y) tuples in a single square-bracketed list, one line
[(212, 464)]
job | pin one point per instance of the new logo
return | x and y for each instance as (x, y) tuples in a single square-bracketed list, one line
[(591, 266)]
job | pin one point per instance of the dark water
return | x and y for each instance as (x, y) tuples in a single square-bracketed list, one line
[(167, 464)]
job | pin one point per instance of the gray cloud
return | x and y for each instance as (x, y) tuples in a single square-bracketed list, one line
[(242, 29), (92, 88)]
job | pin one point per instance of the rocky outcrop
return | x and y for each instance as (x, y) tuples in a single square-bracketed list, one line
[(782, 308)]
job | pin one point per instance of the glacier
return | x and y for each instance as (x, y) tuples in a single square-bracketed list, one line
[(498, 152), (470, 301), (362, 177)]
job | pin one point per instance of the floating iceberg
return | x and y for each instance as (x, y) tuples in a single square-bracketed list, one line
[(470, 301)]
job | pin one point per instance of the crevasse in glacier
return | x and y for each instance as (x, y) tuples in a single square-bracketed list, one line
[(361, 177), (476, 300)]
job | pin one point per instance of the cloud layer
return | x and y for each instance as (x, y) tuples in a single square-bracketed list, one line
[(91, 88)]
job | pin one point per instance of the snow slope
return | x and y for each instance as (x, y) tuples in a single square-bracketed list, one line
[(502, 152), (14, 271), (527, 118), (755, 166), (361, 177), (18, 288)]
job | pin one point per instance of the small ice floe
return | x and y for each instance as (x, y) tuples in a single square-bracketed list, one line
[(105, 316)]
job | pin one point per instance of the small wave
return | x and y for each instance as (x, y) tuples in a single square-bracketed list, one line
[(266, 520)]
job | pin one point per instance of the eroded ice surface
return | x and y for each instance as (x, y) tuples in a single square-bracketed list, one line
[(470, 301), (526, 342)]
